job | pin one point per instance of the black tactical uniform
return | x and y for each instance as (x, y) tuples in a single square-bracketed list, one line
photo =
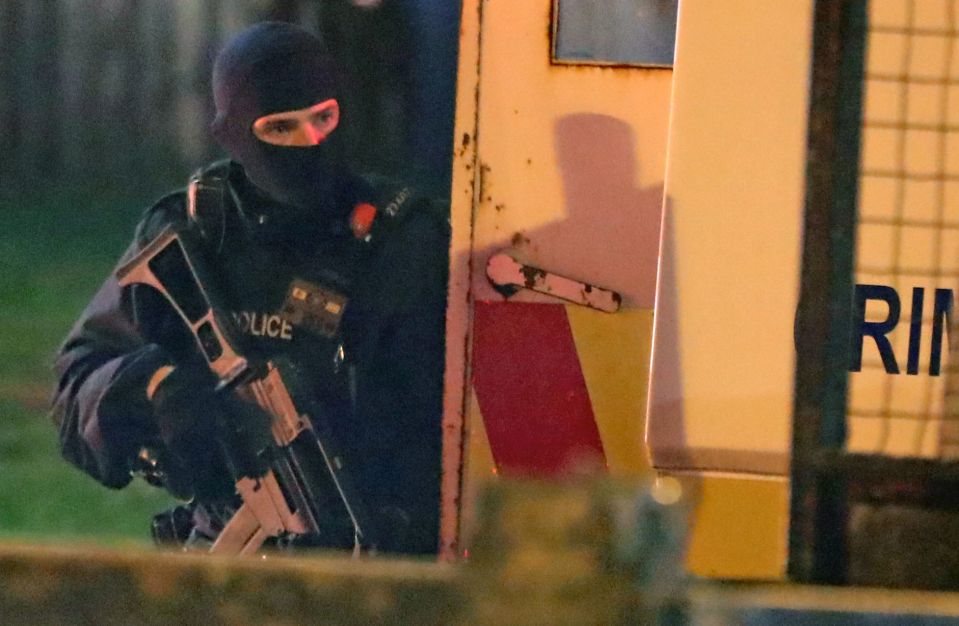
[(380, 380), (287, 213)]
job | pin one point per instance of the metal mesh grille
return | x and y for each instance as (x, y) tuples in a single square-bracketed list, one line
[(908, 233)]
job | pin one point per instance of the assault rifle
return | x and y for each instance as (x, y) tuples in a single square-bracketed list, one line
[(296, 486)]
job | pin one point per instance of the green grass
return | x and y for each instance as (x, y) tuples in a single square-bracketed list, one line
[(55, 251)]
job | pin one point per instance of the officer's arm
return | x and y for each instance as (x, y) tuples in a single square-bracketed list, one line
[(399, 396), (102, 369)]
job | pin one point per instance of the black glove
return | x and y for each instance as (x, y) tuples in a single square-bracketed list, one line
[(213, 437), (127, 422), (185, 423)]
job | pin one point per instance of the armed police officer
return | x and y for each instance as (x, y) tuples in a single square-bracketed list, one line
[(289, 209)]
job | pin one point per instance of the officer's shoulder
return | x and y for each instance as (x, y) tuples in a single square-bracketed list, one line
[(174, 209), (403, 213), (409, 241)]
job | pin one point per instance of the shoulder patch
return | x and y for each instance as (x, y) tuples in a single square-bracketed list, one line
[(386, 206), (394, 212), (399, 208), (399, 202)]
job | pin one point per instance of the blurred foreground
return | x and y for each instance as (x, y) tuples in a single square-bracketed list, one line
[(544, 554)]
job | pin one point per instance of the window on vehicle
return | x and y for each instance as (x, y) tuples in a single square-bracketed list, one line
[(620, 32)]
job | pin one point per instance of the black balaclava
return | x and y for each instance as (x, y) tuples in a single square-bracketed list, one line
[(269, 68)]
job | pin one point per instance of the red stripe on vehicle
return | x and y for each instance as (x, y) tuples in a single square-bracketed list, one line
[(531, 390)]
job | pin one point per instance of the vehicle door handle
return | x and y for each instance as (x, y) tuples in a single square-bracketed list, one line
[(509, 275)]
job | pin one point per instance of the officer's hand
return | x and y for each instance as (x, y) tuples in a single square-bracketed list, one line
[(187, 412), (198, 424)]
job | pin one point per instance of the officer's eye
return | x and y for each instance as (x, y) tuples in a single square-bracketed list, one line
[(280, 127), (323, 117)]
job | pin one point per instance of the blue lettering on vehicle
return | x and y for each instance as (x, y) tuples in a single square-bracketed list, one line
[(878, 331)]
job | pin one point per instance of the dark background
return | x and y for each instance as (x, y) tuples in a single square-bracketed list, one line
[(104, 107)]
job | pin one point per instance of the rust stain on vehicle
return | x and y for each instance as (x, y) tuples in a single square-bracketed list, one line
[(519, 239), (610, 66), (484, 182), (531, 275), (464, 145)]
